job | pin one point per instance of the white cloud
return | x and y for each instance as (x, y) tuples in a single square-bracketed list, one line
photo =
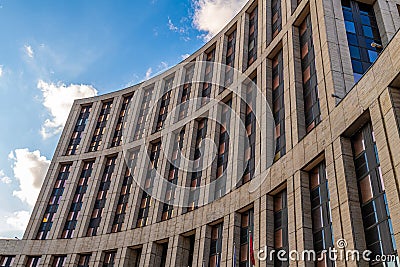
[(29, 168), (4, 178), (174, 28), (148, 73), (29, 51), (211, 16), (1, 70), (19, 220), (58, 99), (185, 56)]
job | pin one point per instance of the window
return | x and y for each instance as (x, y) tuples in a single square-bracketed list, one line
[(130, 172), (321, 212), (146, 200), (186, 90), (195, 181), (312, 110), (76, 206), (252, 37), (7, 261), (143, 113), (281, 237), (250, 124), (109, 259), (168, 208), (164, 253), (59, 261), (230, 60), (164, 103), (208, 75), (362, 35), (134, 256), (33, 261), (84, 260), (192, 240), (246, 230), (79, 128), (377, 222), (101, 198), (278, 105), (223, 150), (117, 138), (52, 206), (216, 245), (100, 126), (276, 17)]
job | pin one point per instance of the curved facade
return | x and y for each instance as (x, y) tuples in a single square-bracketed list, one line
[(329, 70)]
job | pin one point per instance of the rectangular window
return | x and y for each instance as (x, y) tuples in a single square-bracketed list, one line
[(216, 245), (276, 20), (192, 240), (377, 222), (80, 125), (186, 90), (146, 200), (76, 206), (130, 172), (109, 258), (59, 261), (84, 260), (362, 35), (312, 110), (164, 253), (208, 76), (101, 197), (196, 176), (281, 236), (143, 113), (174, 162), (246, 229), (278, 105), (321, 212), (223, 150), (33, 261), (164, 104), (7, 261), (52, 206), (250, 124), (118, 133), (100, 126), (252, 37), (134, 256), (230, 60)]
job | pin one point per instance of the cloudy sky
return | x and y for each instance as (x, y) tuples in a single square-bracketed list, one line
[(52, 53)]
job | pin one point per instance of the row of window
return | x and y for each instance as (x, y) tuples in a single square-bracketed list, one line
[(377, 222)]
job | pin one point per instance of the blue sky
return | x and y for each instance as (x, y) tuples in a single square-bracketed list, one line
[(52, 52)]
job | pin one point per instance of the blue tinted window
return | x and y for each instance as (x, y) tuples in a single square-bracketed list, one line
[(352, 39), (355, 52), (368, 31), (373, 55), (365, 20), (357, 66), (357, 77), (350, 26), (347, 15)]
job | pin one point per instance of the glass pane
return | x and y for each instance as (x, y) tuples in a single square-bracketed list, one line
[(350, 26), (355, 52), (373, 55), (368, 31)]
